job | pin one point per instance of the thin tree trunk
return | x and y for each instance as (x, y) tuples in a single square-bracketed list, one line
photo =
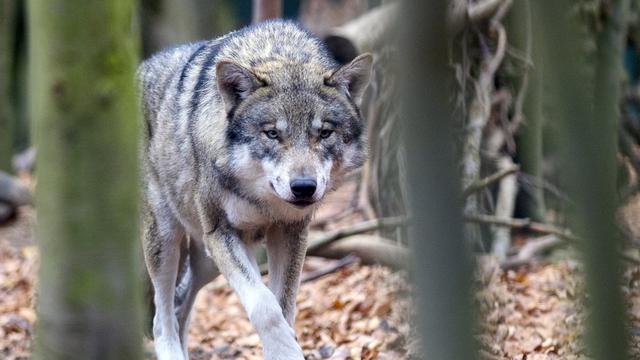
[(7, 116), (266, 9), (168, 22), (84, 101), (529, 107), (440, 265), (588, 122)]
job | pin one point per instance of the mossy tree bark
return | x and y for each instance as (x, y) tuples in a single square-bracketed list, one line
[(441, 268), (588, 121), (83, 62), (7, 119)]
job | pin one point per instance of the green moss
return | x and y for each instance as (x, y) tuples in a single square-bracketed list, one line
[(87, 122)]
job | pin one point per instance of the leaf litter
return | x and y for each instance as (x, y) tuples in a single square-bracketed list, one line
[(357, 312)]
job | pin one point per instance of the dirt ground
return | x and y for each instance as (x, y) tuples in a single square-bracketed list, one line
[(357, 312)]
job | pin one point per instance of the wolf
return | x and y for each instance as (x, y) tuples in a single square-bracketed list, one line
[(244, 137)]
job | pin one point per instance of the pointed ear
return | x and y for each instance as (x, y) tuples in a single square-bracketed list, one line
[(235, 82), (353, 78)]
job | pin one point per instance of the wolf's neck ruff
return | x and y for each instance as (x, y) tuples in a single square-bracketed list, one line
[(245, 136)]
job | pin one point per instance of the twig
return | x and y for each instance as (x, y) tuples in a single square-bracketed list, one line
[(489, 180), (538, 227), (359, 228), (522, 224), (629, 258), (322, 222), (334, 266), (462, 13), (532, 249), (479, 113), (518, 113)]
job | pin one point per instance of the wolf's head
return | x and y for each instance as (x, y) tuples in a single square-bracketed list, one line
[(294, 129)]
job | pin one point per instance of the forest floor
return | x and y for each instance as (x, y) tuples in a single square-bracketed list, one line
[(356, 312)]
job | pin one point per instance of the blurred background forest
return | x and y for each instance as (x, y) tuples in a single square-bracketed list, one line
[(508, 130)]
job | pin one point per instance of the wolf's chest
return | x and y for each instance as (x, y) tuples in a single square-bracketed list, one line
[(244, 215)]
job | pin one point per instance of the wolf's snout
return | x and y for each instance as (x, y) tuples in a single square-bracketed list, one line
[(303, 188)]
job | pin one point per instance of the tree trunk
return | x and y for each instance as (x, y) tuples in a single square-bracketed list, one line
[(266, 9), (440, 265), (7, 118), (167, 22), (588, 120), (84, 101), (529, 106)]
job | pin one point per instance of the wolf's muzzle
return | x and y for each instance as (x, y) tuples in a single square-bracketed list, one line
[(303, 188)]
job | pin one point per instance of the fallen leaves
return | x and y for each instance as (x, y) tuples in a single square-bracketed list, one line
[(358, 312), (532, 313), (17, 315)]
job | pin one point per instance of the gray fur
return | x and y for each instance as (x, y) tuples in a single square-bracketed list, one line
[(229, 124)]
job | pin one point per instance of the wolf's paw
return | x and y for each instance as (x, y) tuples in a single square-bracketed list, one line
[(283, 354), (167, 349), (282, 345)]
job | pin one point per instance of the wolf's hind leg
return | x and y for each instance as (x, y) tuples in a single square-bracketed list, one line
[(200, 270), (161, 243)]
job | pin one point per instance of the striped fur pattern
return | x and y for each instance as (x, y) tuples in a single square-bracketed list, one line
[(244, 137)]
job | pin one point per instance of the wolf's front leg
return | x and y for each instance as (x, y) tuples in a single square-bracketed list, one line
[(236, 262), (286, 248), (162, 255)]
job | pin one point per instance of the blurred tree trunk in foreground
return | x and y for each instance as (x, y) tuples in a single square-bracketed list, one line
[(84, 100), (7, 120), (441, 269), (530, 154), (584, 95)]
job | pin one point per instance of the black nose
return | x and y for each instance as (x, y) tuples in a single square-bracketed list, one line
[(303, 188)]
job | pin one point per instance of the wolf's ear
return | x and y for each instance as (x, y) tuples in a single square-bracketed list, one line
[(353, 78), (235, 82)]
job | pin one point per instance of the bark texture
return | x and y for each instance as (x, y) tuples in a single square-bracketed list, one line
[(440, 264), (587, 119), (84, 55), (7, 120)]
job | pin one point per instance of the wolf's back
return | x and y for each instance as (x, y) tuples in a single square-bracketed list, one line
[(155, 75)]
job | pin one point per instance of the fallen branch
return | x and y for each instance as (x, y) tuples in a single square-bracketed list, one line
[(334, 266), (324, 221), (318, 243), (522, 224), (6, 212), (564, 234), (489, 180), (12, 193), (371, 249), (532, 249), (369, 32)]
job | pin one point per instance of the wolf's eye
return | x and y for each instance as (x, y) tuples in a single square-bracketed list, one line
[(271, 134), (325, 133)]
